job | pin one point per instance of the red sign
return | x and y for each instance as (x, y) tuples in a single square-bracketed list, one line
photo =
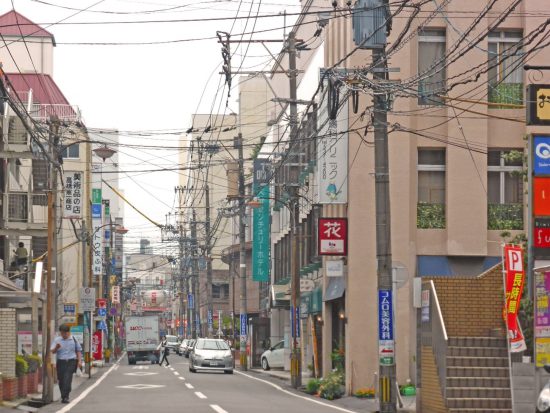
[(333, 236), (97, 345), (542, 237), (541, 196), (515, 277), (101, 303)]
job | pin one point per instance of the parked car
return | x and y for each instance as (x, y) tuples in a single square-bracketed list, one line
[(190, 344), (183, 346), (211, 354), (273, 356), (172, 342)]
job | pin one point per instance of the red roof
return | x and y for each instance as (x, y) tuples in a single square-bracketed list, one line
[(44, 89), (15, 24)]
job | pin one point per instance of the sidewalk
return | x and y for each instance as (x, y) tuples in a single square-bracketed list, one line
[(20, 404), (346, 402)]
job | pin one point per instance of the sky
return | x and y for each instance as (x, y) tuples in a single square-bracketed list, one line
[(154, 85)]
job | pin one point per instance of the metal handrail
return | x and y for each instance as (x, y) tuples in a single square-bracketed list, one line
[(440, 315)]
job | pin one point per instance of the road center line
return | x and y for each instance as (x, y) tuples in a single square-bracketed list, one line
[(295, 395), (200, 395), (176, 373), (189, 386), (217, 408), (181, 378)]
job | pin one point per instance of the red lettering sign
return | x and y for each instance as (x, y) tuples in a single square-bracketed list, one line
[(333, 236)]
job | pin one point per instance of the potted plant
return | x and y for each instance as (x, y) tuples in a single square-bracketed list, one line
[(9, 388), (21, 369), (34, 362), (332, 386)]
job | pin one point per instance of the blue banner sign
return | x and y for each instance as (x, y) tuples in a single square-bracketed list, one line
[(385, 315), (190, 301), (541, 156), (244, 322)]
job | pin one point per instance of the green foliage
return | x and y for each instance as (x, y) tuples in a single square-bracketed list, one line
[(338, 358), (332, 386), (505, 216), (33, 361), (525, 316), (506, 93), (312, 386), (21, 366), (430, 215), (257, 148), (365, 393)]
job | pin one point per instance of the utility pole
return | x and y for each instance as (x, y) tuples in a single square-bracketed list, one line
[(195, 310), (295, 357), (183, 289), (242, 255), (51, 290), (86, 314), (209, 305), (387, 368)]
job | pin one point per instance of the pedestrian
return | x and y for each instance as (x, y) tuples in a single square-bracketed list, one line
[(68, 358), (21, 255), (165, 350)]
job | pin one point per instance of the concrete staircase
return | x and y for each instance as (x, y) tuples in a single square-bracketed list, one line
[(478, 379)]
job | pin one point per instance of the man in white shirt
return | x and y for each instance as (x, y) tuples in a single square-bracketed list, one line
[(68, 355)]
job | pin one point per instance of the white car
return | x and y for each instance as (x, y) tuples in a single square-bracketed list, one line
[(211, 354), (274, 356)]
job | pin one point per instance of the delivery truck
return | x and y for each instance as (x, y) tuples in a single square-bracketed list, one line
[(142, 338)]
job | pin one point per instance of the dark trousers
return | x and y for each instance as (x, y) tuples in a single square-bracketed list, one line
[(65, 371), (164, 358)]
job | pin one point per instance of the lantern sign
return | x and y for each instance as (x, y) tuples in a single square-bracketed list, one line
[(333, 236)]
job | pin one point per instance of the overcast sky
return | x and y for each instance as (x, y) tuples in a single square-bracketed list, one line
[(149, 87)]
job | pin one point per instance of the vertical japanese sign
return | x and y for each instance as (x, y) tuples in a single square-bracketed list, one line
[(115, 294), (333, 236), (515, 277), (261, 230), (210, 320), (542, 318), (97, 345), (386, 342), (72, 204), (332, 147), (97, 247)]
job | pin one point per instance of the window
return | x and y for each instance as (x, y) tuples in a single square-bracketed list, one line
[(71, 151), (505, 74), (220, 291), (431, 66), (505, 189), (431, 188)]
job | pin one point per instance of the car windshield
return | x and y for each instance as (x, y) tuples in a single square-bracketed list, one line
[(172, 339), (212, 345)]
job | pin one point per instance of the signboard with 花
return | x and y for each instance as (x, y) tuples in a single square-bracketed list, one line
[(333, 236)]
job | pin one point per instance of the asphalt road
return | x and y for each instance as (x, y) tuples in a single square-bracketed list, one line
[(146, 388)]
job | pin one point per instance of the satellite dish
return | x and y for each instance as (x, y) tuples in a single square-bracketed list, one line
[(400, 274)]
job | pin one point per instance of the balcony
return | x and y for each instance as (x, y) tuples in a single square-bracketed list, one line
[(430, 216), (507, 93), (25, 211), (63, 112), (505, 216)]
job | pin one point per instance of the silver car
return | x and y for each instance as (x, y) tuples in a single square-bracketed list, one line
[(211, 354)]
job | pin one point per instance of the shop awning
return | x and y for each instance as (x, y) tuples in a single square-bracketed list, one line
[(280, 292), (335, 288), (441, 265)]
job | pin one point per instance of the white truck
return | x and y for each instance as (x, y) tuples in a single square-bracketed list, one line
[(142, 338)]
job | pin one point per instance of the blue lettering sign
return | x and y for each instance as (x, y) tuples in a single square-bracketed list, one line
[(385, 315), (541, 149)]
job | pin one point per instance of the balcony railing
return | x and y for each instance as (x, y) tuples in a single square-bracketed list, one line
[(25, 208), (63, 112), (505, 216), (430, 216), (509, 93)]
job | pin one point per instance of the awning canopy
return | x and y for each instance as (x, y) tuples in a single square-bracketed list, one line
[(280, 292), (442, 265), (335, 288)]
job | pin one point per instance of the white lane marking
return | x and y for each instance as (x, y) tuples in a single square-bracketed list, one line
[(189, 386), (296, 395), (176, 373), (85, 393), (181, 378), (217, 408), (200, 395), (141, 386), (117, 366), (172, 368)]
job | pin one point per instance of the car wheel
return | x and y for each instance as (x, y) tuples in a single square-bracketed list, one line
[(265, 364), (192, 370), (228, 371)]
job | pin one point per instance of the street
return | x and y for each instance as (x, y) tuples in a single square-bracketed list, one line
[(139, 388)]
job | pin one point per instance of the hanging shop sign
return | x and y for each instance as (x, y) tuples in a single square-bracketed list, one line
[(72, 203), (115, 294), (333, 236), (515, 277), (538, 104), (332, 146)]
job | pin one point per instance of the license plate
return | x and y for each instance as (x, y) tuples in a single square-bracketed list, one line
[(213, 363)]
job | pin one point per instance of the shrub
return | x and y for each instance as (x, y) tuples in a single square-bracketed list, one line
[(338, 358), (33, 361), (365, 393), (21, 366), (332, 386), (312, 386)]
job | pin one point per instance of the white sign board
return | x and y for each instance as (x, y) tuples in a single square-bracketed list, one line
[(306, 285), (72, 204), (97, 247), (115, 294), (334, 268), (332, 150), (87, 300)]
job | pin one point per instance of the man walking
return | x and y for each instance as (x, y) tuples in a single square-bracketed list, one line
[(165, 351), (69, 356)]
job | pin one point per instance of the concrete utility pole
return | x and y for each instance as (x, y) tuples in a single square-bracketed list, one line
[(295, 357), (194, 277), (51, 290), (387, 369), (183, 286), (209, 306), (86, 314), (242, 255)]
